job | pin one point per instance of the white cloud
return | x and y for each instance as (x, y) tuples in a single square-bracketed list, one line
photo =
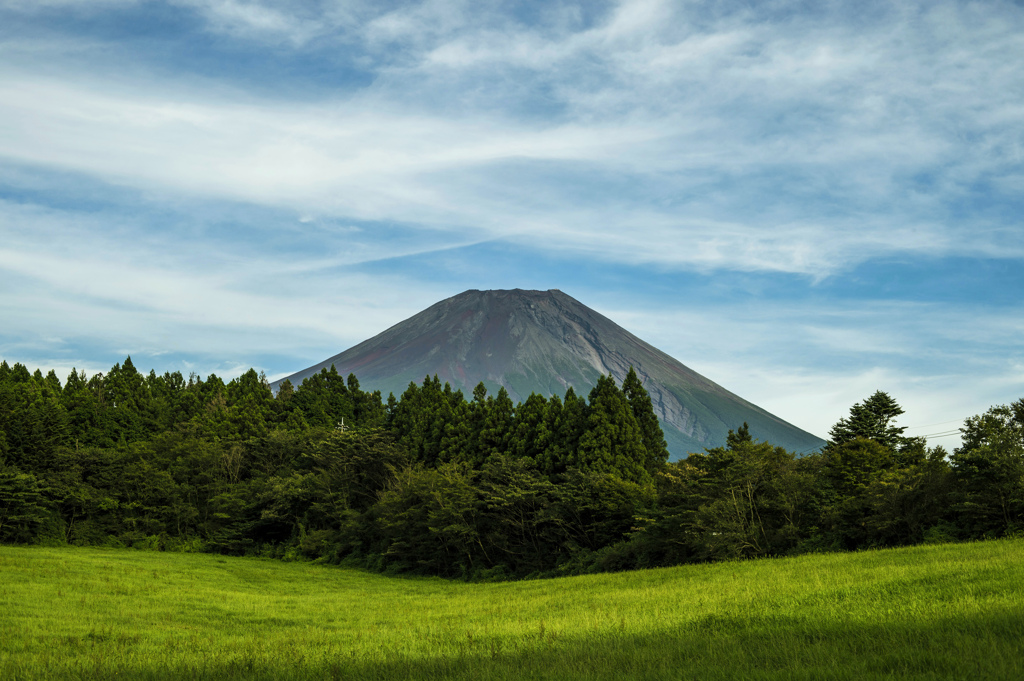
[(252, 17), (808, 363), (277, 23), (70, 277), (715, 115)]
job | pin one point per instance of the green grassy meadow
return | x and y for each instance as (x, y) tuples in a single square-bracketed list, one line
[(929, 612)]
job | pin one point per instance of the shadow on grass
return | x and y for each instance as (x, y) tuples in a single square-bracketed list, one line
[(714, 647)]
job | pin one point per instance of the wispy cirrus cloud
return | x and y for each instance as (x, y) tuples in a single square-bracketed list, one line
[(798, 121)]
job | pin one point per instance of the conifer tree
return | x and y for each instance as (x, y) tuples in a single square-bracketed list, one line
[(339, 399), (496, 433), (464, 437), (569, 424), (23, 506), (650, 428), (296, 420), (325, 399), (35, 423), (734, 440), (529, 437), (612, 442), (550, 458), (250, 402), (19, 374), (285, 391), (398, 410), (367, 408), (213, 417), (432, 414), (86, 426), (127, 402), (871, 419), (52, 382)]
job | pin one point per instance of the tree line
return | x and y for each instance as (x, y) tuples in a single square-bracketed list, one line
[(434, 483)]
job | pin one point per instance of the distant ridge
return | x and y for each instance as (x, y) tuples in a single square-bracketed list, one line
[(544, 342)]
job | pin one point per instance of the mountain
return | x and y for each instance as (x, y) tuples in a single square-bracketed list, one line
[(544, 342)]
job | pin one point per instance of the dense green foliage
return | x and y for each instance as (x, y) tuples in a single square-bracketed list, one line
[(482, 488), (949, 611)]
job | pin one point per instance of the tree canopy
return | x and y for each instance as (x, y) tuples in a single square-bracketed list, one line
[(871, 419), (431, 482)]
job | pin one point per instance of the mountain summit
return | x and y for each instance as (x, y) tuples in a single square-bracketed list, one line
[(544, 342)]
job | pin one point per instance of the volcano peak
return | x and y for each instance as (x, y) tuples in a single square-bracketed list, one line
[(544, 342)]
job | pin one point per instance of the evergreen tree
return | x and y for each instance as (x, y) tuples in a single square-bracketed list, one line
[(76, 381), (612, 442), (367, 408), (423, 419), (24, 506), (464, 436), (434, 415), (163, 392), (325, 399), (650, 428), (530, 437), (566, 422), (296, 420), (127, 401), (87, 422), (34, 421), (871, 419), (400, 416), (285, 391), (251, 404), (390, 409), (496, 434), (52, 382), (189, 400), (282, 406), (550, 458), (339, 399), (735, 440), (213, 418), (19, 374)]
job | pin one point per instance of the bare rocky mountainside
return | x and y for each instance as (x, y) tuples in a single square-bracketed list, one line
[(544, 342)]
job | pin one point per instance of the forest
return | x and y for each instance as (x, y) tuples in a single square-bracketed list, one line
[(432, 482)]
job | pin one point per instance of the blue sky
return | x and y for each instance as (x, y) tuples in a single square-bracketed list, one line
[(803, 201)]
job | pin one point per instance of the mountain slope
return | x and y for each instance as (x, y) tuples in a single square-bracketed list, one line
[(543, 342)]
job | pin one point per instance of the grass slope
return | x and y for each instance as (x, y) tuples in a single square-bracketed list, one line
[(931, 612)]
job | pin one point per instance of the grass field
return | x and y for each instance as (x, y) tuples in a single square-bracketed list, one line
[(931, 612)]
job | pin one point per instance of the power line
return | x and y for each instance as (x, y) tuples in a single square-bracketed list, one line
[(928, 425), (947, 433)]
